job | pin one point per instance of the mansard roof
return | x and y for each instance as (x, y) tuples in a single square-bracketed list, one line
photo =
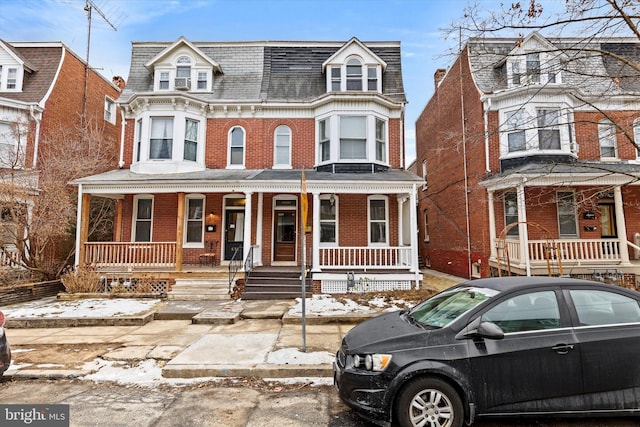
[(265, 71), (589, 66)]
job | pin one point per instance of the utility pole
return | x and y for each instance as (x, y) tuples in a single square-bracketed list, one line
[(90, 5)]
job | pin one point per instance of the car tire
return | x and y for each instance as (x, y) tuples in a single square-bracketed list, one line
[(429, 402)]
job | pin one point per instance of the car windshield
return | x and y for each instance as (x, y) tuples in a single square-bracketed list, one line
[(445, 307)]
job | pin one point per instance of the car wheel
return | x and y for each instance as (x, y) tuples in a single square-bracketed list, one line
[(429, 402)]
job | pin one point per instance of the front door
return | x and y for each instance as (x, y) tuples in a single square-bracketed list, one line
[(284, 243), (233, 234), (607, 220)]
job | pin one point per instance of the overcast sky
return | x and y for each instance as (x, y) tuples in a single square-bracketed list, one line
[(415, 23)]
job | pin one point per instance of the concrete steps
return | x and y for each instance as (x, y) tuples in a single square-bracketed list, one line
[(199, 289)]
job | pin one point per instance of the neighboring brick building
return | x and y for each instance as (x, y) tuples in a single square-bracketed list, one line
[(216, 139), (44, 87), (548, 141)]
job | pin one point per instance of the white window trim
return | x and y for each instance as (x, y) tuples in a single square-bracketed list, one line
[(425, 218), (277, 165), (532, 141), (134, 223), (110, 108), (386, 216), (244, 148), (514, 234), (575, 215), (424, 175), (636, 137), (547, 65), (335, 221), (333, 121), (4, 78), (186, 220), (611, 126)]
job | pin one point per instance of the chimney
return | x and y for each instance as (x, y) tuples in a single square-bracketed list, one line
[(119, 81), (438, 76)]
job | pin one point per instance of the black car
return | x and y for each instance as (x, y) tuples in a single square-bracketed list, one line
[(5, 350), (497, 347)]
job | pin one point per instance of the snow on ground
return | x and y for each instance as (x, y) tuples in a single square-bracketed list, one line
[(147, 373), (325, 305), (94, 307)]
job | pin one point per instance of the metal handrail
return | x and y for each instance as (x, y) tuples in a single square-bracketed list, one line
[(234, 266)]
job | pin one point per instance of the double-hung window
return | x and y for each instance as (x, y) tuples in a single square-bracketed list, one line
[(533, 67), (372, 78), (282, 151), (12, 78), (328, 219), (511, 213), (567, 222), (607, 137), (336, 79), (163, 81), (202, 80), (161, 142), (353, 137), (381, 140), (143, 219), (354, 75), (195, 219), (236, 147), (324, 140), (548, 129), (109, 110), (516, 131), (191, 140), (378, 220), (138, 139)]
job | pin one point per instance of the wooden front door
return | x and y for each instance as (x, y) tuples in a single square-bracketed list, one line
[(284, 242), (608, 221)]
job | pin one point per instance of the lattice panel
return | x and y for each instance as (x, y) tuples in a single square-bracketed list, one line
[(341, 286)]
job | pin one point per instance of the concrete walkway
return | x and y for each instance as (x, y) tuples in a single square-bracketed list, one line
[(194, 339)]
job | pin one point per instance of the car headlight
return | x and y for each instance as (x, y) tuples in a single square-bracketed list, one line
[(371, 362)]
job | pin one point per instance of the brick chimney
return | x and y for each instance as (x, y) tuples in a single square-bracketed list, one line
[(438, 76), (119, 81)]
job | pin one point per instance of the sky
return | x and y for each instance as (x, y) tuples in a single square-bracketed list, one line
[(417, 24)]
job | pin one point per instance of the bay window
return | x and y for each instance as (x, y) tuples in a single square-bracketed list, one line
[(548, 129), (191, 140), (324, 139), (161, 141), (515, 132), (353, 137), (381, 140)]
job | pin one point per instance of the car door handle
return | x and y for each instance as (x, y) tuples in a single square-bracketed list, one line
[(562, 348)]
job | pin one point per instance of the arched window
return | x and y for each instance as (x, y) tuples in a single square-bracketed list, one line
[(354, 74), (282, 147), (236, 147)]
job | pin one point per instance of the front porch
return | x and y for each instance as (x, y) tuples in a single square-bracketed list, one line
[(597, 258)]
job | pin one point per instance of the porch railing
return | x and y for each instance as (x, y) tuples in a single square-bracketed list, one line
[(606, 251), (128, 254), (365, 257)]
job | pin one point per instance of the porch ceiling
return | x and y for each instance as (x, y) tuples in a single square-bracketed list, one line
[(262, 180), (566, 174)]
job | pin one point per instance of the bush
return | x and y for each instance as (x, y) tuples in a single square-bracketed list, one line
[(82, 280)]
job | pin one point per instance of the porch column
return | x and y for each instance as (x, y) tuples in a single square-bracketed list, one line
[(83, 225), (413, 217), (179, 231), (247, 226), (315, 233), (522, 228), (117, 228), (492, 225), (257, 258), (402, 199), (621, 225)]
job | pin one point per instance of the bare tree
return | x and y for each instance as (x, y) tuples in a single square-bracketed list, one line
[(39, 215)]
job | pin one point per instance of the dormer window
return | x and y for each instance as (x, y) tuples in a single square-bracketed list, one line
[(354, 75), (9, 79), (163, 83), (183, 73), (532, 68)]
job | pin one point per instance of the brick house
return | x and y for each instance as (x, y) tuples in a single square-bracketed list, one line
[(216, 138), (529, 160), (44, 87)]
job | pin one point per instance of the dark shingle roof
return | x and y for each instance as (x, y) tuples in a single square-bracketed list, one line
[(45, 61), (272, 71)]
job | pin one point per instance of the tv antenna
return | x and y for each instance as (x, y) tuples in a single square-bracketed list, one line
[(89, 6)]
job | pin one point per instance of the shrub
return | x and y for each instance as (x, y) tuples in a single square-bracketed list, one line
[(82, 280)]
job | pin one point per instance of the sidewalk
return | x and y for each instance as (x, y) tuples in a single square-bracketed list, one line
[(187, 339)]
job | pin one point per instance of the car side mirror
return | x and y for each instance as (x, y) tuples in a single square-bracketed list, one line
[(481, 329)]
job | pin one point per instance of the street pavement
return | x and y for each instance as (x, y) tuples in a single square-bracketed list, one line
[(193, 339)]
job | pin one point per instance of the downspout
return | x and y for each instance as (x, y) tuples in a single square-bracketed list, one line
[(36, 140), (487, 107), (123, 123)]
